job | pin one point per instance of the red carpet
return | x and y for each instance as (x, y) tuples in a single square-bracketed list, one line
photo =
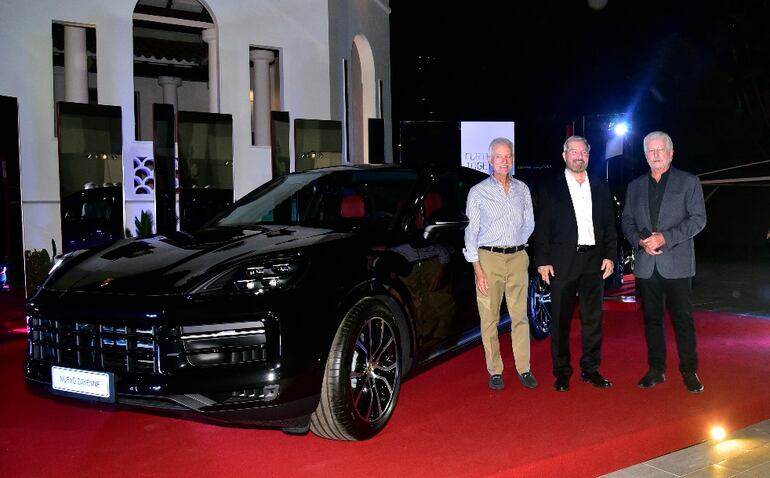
[(12, 311), (447, 423)]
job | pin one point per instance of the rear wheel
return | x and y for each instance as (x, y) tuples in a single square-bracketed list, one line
[(363, 375), (539, 307)]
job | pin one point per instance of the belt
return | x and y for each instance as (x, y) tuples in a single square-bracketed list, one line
[(504, 250), (583, 248)]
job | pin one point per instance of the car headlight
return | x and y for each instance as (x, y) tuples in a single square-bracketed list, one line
[(257, 276)]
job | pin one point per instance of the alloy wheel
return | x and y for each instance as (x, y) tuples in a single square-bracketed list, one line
[(375, 372), (539, 302)]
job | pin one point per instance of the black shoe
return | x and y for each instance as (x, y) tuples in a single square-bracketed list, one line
[(692, 382), (561, 384), (496, 382), (651, 378), (595, 379), (528, 380)]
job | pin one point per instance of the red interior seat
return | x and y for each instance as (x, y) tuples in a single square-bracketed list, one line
[(430, 204), (352, 206)]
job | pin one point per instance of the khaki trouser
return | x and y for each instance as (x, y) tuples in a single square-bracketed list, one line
[(506, 273)]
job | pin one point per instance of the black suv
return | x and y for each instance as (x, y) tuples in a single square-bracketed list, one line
[(303, 305)]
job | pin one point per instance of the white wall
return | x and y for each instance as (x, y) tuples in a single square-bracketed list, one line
[(27, 74), (192, 96), (298, 28), (371, 19)]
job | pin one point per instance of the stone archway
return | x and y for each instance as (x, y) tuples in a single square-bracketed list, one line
[(175, 59), (363, 98)]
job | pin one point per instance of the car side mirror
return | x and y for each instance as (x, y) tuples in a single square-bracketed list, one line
[(444, 220)]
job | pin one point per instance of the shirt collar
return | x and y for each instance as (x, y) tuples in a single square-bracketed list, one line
[(571, 178), (494, 179), (662, 176)]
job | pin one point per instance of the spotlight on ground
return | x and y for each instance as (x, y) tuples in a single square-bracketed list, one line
[(718, 433), (620, 129)]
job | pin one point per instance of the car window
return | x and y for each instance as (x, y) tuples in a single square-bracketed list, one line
[(467, 179), (324, 199), (448, 193)]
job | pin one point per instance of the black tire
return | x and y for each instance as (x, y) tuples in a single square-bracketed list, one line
[(363, 374), (539, 307)]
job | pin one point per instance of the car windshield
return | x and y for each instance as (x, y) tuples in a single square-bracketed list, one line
[(324, 198)]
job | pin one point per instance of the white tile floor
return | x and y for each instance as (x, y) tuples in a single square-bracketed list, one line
[(744, 453)]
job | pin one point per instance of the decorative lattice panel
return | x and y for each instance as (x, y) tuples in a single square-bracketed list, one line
[(143, 173)]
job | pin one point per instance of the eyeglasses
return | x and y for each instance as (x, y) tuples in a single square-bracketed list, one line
[(498, 157), (653, 152), (577, 152)]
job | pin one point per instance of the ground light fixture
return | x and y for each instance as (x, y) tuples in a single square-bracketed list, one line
[(718, 433)]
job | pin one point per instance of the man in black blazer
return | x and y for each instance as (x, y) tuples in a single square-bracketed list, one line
[(664, 210), (575, 241)]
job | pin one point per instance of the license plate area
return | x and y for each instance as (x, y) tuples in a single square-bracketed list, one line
[(83, 384)]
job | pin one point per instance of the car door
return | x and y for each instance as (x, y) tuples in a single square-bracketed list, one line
[(441, 281)]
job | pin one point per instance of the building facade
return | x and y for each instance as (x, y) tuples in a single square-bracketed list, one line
[(325, 60)]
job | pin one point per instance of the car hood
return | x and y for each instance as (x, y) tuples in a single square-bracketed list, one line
[(173, 264)]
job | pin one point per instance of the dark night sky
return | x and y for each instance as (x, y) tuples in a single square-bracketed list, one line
[(699, 70)]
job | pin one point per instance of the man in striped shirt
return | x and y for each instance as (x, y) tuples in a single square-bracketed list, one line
[(500, 222)]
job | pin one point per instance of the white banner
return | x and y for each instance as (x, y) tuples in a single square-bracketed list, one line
[(475, 137)]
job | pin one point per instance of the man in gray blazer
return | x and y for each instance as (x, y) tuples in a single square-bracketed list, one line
[(664, 210)]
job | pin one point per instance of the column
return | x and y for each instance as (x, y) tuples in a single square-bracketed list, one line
[(260, 72), (170, 85), (210, 36), (75, 65)]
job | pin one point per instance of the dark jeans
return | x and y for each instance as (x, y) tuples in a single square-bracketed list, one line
[(659, 293), (587, 283)]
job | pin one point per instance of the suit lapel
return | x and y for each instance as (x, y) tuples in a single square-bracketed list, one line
[(644, 201), (595, 202), (568, 208)]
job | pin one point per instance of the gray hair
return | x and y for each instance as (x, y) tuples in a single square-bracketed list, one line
[(659, 135), (577, 138), (503, 141)]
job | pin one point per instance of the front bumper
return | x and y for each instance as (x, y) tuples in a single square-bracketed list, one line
[(291, 415), (230, 359)]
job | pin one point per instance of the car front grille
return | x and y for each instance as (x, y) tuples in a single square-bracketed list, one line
[(94, 347)]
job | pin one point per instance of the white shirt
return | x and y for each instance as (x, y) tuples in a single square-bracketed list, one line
[(581, 201)]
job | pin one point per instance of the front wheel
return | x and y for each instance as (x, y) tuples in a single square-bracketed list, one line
[(362, 378), (539, 307)]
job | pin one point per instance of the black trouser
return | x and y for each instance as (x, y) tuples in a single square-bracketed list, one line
[(659, 293), (588, 284)]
